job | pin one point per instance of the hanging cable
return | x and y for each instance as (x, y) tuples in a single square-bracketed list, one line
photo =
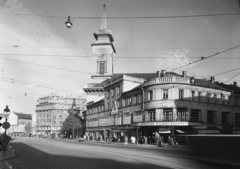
[(203, 58), (45, 65)]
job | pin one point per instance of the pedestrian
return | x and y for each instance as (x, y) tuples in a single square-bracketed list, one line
[(169, 141)]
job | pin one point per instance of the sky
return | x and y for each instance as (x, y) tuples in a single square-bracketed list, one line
[(40, 56)]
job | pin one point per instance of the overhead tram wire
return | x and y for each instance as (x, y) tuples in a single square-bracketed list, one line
[(204, 58), (127, 48), (117, 57), (130, 17), (21, 91), (232, 78), (17, 98), (11, 80), (45, 65)]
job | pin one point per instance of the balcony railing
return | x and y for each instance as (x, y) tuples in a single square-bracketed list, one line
[(168, 80), (95, 85)]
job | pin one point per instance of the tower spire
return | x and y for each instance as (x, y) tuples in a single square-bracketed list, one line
[(104, 18)]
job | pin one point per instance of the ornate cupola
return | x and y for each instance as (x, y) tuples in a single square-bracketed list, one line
[(103, 49)]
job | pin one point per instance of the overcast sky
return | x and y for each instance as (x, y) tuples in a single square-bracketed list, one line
[(164, 43)]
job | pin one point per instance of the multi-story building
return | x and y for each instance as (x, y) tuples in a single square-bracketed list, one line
[(52, 110), (149, 104)]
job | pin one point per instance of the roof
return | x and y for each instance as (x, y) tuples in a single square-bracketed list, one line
[(231, 87), (206, 83), (23, 116), (146, 76)]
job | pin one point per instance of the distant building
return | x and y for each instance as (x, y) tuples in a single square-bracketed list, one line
[(18, 121), (52, 110)]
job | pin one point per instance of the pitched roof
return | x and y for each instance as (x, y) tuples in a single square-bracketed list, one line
[(206, 83), (232, 87), (146, 76), (23, 116)]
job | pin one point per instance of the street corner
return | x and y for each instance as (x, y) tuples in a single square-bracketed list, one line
[(8, 154)]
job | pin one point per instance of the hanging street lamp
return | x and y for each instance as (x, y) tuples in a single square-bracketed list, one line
[(69, 22)]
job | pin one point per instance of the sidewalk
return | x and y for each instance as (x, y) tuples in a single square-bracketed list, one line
[(9, 154)]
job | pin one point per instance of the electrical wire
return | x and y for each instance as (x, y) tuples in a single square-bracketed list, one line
[(203, 58), (45, 65), (27, 83), (21, 91), (17, 98), (118, 57), (128, 48), (231, 78), (119, 17)]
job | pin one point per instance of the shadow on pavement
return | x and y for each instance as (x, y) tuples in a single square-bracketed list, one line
[(36, 159)]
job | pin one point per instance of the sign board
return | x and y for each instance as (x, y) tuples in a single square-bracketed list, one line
[(165, 123), (114, 108)]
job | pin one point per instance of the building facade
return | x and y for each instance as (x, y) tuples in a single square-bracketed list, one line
[(52, 110), (18, 121), (162, 103)]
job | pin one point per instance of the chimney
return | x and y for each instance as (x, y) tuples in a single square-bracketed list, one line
[(235, 83), (212, 79), (158, 73), (163, 73), (184, 73)]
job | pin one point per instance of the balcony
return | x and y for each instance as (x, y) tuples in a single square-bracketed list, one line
[(95, 85), (173, 79)]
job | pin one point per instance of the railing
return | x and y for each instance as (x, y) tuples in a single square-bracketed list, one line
[(168, 80), (95, 85)]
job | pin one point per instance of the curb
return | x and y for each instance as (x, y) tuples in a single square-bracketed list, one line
[(11, 156)]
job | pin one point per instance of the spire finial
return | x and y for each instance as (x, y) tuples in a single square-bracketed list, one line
[(104, 6), (104, 19)]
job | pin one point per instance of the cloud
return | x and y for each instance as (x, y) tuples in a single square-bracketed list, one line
[(31, 85), (169, 59)]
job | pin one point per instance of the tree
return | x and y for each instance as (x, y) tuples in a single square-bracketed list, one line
[(72, 123), (28, 128)]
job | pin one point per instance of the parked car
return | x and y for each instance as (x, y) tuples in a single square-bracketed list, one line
[(53, 135)]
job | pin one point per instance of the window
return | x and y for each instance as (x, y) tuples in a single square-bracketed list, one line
[(54, 122), (195, 115), (129, 100), (60, 122), (60, 116), (225, 118), (222, 98), (237, 118), (102, 67), (165, 93), (150, 95), (199, 96), (123, 102), (181, 94), (215, 98), (211, 117), (193, 95), (139, 98), (208, 97), (134, 100), (117, 91)]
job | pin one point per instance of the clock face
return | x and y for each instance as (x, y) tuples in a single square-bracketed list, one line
[(102, 54)]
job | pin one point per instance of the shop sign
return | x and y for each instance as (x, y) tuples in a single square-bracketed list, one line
[(165, 123), (114, 108)]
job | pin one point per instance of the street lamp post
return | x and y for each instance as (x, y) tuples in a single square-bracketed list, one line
[(5, 125), (137, 133)]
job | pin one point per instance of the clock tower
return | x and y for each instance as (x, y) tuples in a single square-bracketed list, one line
[(103, 50)]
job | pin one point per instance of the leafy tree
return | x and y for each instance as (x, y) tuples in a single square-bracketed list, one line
[(28, 128), (71, 124)]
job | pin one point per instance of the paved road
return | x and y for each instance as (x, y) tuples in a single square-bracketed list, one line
[(62, 154)]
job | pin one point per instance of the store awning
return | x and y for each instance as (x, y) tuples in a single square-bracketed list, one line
[(208, 132), (164, 132), (180, 131)]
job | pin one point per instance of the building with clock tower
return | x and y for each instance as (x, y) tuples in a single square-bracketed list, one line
[(103, 50)]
